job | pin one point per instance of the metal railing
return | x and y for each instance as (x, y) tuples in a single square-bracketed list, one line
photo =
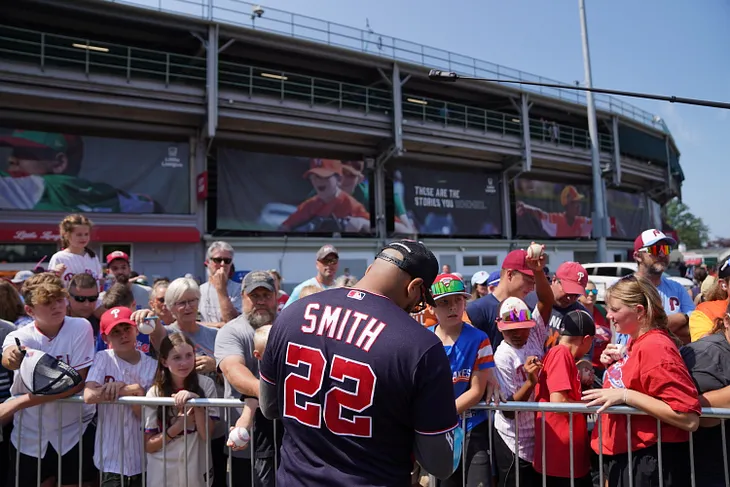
[(546, 131), (238, 12), (517, 407), (99, 58)]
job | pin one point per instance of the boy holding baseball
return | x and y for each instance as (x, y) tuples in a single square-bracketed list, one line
[(119, 371)]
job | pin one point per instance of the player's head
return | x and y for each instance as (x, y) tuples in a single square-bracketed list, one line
[(515, 321), (404, 271), (41, 153), (516, 277), (571, 200), (449, 293), (651, 252), (578, 329), (83, 292), (219, 256), (259, 298), (569, 283), (260, 338), (119, 294), (325, 176), (352, 175), (45, 299), (75, 231), (118, 329)]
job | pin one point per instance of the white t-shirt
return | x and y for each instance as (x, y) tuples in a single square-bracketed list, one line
[(75, 264), (74, 345), (510, 364), (169, 470), (117, 424), (210, 308)]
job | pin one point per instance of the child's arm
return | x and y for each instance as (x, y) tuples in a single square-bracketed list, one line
[(95, 393), (153, 441), (10, 407), (532, 368), (133, 390), (200, 415), (477, 386)]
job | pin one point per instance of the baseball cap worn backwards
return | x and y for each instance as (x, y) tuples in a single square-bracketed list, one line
[(29, 139), (326, 250), (573, 277), (256, 279), (517, 261), (578, 323), (115, 316), (448, 285), (418, 262), (324, 168), (651, 237)]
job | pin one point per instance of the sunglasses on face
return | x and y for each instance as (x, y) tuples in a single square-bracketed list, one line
[(591, 291), (88, 299), (422, 303), (662, 249), (516, 317), (331, 261), (221, 260)]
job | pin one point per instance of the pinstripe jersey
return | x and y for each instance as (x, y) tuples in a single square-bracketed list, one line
[(510, 363), (471, 351), (118, 421)]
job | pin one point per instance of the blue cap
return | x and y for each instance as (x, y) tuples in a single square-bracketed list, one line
[(493, 278)]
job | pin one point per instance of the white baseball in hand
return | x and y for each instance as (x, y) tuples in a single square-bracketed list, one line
[(239, 437), (146, 327), (534, 251)]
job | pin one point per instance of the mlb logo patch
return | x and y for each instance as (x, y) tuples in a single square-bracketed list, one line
[(359, 295)]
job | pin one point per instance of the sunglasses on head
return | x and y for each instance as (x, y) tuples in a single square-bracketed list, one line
[(88, 299), (221, 260), (591, 291), (662, 249), (513, 316)]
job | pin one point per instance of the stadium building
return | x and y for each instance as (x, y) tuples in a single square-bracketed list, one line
[(278, 133)]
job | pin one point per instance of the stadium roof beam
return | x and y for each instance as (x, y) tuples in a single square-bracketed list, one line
[(524, 110)]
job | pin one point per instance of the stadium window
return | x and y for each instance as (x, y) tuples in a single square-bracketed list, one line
[(489, 260), (471, 260)]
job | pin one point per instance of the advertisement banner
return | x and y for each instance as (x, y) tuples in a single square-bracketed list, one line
[(45, 171), (277, 193), (552, 210), (628, 214), (432, 200)]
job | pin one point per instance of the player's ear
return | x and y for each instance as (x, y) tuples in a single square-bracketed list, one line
[(60, 164), (415, 287)]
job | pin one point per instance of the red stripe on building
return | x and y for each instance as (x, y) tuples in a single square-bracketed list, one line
[(20, 232)]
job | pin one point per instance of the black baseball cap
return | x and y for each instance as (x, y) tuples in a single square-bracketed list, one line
[(578, 323), (724, 271), (418, 261)]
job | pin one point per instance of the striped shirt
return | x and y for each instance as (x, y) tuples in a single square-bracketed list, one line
[(510, 364), (117, 424), (75, 264), (471, 351)]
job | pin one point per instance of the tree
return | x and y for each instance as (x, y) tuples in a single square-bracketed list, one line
[(691, 229)]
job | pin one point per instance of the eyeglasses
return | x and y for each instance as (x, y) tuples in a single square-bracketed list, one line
[(447, 286), (513, 316), (87, 299), (662, 249), (421, 304), (591, 291), (221, 260), (190, 302)]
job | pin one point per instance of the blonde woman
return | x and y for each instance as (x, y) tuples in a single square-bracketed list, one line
[(652, 377)]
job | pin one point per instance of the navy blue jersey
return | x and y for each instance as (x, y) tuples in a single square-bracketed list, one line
[(356, 379)]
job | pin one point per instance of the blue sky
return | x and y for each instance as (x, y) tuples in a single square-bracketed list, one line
[(671, 47)]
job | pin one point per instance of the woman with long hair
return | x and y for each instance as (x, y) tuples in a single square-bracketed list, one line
[(75, 256), (708, 361), (11, 306), (651, 377), (176, 377)]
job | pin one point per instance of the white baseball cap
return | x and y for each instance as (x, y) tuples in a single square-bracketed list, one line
[(479, 278), (45, 375), (21, 276), (514, 315), (650, 237)]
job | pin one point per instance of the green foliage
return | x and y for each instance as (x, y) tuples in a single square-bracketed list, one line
[(691, 229)]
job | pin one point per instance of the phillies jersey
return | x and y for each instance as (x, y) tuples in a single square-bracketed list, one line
[(356, 379)]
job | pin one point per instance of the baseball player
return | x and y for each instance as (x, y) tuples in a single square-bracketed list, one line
[(566, 224), (359, 385), (330, 201)]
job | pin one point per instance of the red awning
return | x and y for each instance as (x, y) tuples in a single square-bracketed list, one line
[(19, 232)]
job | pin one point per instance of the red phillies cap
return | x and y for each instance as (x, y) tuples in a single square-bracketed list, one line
[(117, 254), (573, 277), (517, 261), (651, 237), (115, 316)]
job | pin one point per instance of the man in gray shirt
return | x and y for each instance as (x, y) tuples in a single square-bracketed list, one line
[(234, 357)]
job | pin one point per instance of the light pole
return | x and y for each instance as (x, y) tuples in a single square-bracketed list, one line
[(599, 215)]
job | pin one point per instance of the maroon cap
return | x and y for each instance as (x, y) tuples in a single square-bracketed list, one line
[(573, 277), (517, 261)]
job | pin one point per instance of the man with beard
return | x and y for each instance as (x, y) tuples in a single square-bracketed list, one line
[(234, 356), (362, 389), (118, 264), (651, 253)]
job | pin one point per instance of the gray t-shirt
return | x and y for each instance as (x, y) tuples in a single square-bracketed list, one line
[(204, 340), (210, 308), (236, 338)]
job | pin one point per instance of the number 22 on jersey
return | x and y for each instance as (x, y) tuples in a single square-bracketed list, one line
[(336, 399)]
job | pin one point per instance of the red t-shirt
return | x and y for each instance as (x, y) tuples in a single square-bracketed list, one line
[(281, 300), (653, 366), (560, 374), (602, 338)]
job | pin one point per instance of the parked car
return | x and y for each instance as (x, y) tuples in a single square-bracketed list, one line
[(604, 274)]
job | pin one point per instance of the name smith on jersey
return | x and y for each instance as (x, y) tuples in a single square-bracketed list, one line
[(342, 324)]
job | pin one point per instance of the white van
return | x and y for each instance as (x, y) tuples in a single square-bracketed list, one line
[(603, 275)]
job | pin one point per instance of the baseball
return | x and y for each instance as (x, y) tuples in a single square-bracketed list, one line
[(534, 251), (146, 327), (239, 437)]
